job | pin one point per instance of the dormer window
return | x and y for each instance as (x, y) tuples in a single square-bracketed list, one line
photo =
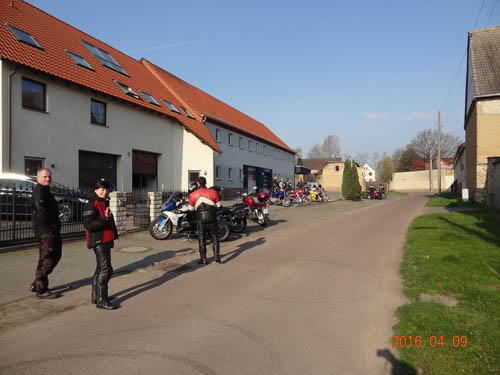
[(149, 98), (172, 107), (186, 112), (24, 37), (128, 90), (78, 60), (105, 58)]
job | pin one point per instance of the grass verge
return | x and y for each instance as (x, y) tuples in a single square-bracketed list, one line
[(455, 255), (396, 193), (451, 200)]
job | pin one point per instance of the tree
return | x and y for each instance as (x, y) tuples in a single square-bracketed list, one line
[(385, 169), (403, 158), (362, 158), (351, 189), (330, 148), (425, 144), (298, 152)]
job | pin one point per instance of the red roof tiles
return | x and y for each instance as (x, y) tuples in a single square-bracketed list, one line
[(55, 37)]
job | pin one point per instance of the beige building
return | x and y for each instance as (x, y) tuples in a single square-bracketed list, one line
[(482, 112), (330, 176)]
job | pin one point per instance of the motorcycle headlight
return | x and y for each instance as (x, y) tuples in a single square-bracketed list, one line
[(82, 200)]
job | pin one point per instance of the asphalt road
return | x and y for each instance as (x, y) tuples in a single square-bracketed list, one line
[(315, 293)]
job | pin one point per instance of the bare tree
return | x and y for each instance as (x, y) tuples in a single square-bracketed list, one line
[(298, 152), (425, 144), (362, 158), (374, 159), (329, 149)]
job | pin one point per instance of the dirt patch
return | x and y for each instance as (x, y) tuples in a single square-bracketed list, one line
[(450, 301)]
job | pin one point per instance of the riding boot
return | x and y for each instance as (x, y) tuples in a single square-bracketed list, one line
[(202, 244), (93, 297), (103, 301)]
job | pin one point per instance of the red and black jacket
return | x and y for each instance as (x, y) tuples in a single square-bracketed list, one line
[(99, 229)]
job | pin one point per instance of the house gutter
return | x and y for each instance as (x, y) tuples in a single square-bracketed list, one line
[(9, 129)]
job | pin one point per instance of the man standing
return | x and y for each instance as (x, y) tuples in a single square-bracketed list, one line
[(47, 226), (205, 202)]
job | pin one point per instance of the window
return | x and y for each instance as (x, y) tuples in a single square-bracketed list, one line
[(78, 60), (149, 98), (32, 165), (264, 150), (278, 154), (97, 112), (369, 173), (128, 90), (250, 146), (170, 105), (217, 173), (230, 139), (257, 147), (230, 174), (186, 112), (24, 37), (241, 143), (217, 135), (105, 58), (33, 94), (337, 168), (241, 174), (193, 177)]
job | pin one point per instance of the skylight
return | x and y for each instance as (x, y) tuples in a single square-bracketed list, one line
[(171, 106), (186, 112), (105, 58), (79, 60), (128, 90), (149, 98), (24, 37)]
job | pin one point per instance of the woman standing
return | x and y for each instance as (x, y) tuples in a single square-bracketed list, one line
[(100, 232)]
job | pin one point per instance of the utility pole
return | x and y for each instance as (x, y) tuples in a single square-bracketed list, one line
[(439, 153)]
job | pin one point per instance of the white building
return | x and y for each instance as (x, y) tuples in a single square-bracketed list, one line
[(368, 173)]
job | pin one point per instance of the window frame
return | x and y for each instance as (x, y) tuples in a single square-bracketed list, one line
[(230, 174), (186, 112), (150, 98), (217, 135), (44, 86), (257, 151), (13, 30), (127, 90), (241, 174), (249, 145), (72, 55), (172, 107), (33, 158), (264, 148), (230, 139), (102, 55), (217, 173), (105, 112), (241, 143)]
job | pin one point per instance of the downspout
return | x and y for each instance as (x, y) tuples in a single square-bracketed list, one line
[(9, 129)]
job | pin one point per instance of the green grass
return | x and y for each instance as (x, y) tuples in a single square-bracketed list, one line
[(450, 200), (458, 255)]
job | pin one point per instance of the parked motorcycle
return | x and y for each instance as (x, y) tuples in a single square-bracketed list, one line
[(375, 192), (299, 197), (175, 213), (257, 204), (318, 195), (235, 216), (279, 197)]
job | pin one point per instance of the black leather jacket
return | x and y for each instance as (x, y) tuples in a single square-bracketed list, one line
[(96, 224), (45, 211)]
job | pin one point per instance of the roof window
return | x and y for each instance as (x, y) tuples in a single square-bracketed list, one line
[(186, 112), (149, 98), (24, 37), (171, 106), (105, 58), (79, 60), (128, 90)]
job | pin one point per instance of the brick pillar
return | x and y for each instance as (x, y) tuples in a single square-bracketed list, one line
[(155, 204), (118, 207)]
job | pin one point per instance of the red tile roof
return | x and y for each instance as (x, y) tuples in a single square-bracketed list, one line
[(55, 37), (213, 108)]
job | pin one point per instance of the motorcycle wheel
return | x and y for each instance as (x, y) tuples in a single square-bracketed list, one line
[(265, 222), (223, 229), (160, 233), (307, 199), (325, 198), (239, 225), (286, 202)]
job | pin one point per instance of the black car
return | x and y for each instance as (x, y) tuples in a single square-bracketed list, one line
[(15, 196)]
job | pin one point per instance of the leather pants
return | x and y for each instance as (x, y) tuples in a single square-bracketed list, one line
[(49, 256), (210, 229), (103, 272)]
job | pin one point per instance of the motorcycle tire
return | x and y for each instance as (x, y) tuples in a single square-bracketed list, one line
[(265, 222), (224, 230), (325, 198), (286, 202), (307, 199), (239, 225), (163, 233)]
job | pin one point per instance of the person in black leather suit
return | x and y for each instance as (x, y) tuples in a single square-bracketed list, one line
[(205, 202)]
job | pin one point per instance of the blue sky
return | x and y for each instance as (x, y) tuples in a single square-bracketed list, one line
[(373, 72)]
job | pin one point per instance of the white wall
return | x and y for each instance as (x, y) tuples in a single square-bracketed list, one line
[(419, 180), (65, 129)]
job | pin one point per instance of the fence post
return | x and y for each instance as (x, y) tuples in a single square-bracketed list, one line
[(155, 204), (119, 209)]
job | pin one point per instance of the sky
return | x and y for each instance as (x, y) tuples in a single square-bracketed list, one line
[(373, 72)]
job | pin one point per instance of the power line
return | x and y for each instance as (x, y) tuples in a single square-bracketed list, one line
[(491, 13), (462, 60)]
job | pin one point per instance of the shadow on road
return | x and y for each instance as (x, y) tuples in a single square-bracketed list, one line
[(398, 367), (146, 261), (241, 248)]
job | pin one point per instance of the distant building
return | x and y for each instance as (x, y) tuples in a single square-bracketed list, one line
[(368, 173)]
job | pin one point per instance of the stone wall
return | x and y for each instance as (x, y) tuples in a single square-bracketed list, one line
[(419, 180), (119, 210), (155, 204)]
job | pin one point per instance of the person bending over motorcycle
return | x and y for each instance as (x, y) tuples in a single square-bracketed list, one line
[(205, 202)]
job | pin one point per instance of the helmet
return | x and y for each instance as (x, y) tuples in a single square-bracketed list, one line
[(192, 188)]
